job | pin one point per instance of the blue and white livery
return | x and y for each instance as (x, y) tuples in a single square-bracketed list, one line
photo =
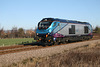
[(59, 30)]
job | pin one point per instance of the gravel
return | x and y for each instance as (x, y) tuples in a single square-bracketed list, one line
[(8, 59)]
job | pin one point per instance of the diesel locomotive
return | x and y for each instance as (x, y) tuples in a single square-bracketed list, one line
[(54, 31)]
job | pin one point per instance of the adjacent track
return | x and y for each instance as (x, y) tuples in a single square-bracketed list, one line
[(17, 49)]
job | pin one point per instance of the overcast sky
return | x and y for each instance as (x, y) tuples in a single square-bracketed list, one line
[(27, 13)]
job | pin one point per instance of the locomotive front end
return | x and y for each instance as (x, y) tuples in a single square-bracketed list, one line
[(43, 32)]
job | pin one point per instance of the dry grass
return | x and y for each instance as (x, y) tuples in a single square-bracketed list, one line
[(73, 59), (85, 56)]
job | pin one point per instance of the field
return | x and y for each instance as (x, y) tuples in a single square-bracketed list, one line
[(15, 41)]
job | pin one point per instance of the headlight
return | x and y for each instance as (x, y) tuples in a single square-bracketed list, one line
[(48, 33), (37, 34)]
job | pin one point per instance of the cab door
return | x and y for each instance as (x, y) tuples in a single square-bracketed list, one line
[(56, 27)]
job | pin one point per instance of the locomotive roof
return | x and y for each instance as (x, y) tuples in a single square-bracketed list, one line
[(63, 20)]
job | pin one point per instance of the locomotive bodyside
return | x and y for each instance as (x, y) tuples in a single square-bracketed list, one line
[(58, 30)]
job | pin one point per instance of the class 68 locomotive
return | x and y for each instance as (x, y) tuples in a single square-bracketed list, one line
[(54, 31)]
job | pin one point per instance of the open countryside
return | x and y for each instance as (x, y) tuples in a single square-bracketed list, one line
[(49, 33)]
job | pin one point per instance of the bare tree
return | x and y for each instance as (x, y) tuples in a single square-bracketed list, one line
[(30, 33), (2, 33), (97, 29), (14, 32), (8, 34), (21, 32)]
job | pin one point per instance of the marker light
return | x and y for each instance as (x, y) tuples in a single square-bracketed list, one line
[(46, 35)]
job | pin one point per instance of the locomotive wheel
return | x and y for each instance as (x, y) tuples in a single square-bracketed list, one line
[(56, 43), (50, 43)]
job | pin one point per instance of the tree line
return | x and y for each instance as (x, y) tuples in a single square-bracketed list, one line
[(17, 33), (97, 29)]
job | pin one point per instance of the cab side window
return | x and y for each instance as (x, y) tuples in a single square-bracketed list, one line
[(54, 24), (58, 24), (72, 29), (86, 29)]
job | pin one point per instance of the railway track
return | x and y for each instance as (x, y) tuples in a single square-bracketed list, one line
[(12, 47), (15, 49), (19, 48)]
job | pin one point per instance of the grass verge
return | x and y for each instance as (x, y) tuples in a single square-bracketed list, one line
[(8, 42)]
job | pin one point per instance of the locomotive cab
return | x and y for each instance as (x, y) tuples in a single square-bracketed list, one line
[(44, 30), (46, 26)]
